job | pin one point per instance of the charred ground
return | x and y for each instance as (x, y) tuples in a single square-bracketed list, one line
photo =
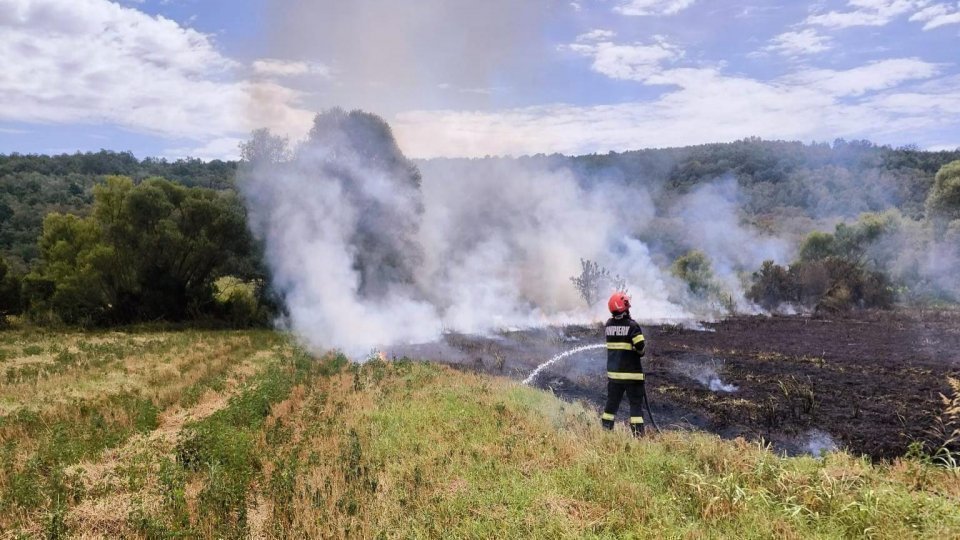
[(871, 381)]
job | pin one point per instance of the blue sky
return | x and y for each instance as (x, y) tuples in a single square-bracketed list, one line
[(179, 78)]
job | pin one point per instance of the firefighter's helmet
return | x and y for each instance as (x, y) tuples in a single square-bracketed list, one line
[(618, 303)]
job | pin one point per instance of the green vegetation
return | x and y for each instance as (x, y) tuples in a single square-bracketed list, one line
[(32, 186), (945, 434), (71, 399), (833, 272), (284, 445), (10, 287), (844, 179), (880, 259), (944, 199), (146, 252), (694, 270), (57, 233)]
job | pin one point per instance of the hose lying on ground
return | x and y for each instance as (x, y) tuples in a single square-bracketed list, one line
[(650, 414)]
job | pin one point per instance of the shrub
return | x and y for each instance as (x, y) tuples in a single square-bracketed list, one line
[(238, 303), (593, 279), (833, 272), (10, 285), (817, 246), (694, 269), (943, 201), (773, 285)]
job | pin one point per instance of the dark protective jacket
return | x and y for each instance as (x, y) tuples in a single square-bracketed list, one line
[(625, 345)]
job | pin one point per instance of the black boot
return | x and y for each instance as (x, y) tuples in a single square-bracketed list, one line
[(607, 420), (636, 426)]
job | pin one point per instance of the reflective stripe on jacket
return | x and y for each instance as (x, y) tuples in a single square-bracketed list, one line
[(625, 344)]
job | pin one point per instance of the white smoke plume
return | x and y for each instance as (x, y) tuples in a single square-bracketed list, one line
[(365, 259), (710, 220), (706, 374), (919, 255)]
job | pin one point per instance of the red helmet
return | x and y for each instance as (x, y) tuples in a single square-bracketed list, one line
[(619, 302)]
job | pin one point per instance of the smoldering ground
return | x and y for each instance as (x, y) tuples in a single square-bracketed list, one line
[(802, 385)]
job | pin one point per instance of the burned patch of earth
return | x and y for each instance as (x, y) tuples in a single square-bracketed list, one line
[(871, 381)]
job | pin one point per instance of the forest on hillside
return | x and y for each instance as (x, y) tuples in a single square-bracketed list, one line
[(106, 238)]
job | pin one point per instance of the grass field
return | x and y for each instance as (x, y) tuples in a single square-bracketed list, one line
[(241, 434)]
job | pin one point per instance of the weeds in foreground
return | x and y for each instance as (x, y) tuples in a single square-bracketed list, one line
[(945, 432)]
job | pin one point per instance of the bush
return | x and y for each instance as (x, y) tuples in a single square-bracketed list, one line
[(834, 272), (817, 246), (694, 269), (773, 285), (943, 201), (851, 285), (238, 303), (829, 284), (593, 279)]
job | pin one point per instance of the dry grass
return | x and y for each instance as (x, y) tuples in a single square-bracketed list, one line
[(423, 451), (285, 446), (76, 437)]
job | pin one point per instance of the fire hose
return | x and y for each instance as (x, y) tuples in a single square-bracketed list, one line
[(646, 405), (533, 375)]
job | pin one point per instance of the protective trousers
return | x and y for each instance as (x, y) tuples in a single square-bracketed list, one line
[(615, 391)]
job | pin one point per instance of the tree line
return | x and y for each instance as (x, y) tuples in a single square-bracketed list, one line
[(105, 238)]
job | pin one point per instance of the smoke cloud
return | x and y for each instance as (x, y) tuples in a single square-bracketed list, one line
[(399, 56), (924, 256), (366, 254), (709, 218), (706, 374)]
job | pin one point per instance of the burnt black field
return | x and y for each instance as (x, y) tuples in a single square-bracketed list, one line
[(868, 382)]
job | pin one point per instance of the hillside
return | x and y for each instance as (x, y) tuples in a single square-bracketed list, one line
[(32, 186), (780, 180), (162, 434)]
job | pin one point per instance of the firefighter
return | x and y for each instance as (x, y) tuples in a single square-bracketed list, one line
[(625, 346)]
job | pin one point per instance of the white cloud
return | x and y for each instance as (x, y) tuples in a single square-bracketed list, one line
[(479, 91), (596, 34), (866, 13), (798, 43), (637, 62), (937, 15), (707, 106), (219, 148), (273, 67), (653, 7), (860, 80), (94, 61)]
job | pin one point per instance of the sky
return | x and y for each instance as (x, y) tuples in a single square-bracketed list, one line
[(468, 78)]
